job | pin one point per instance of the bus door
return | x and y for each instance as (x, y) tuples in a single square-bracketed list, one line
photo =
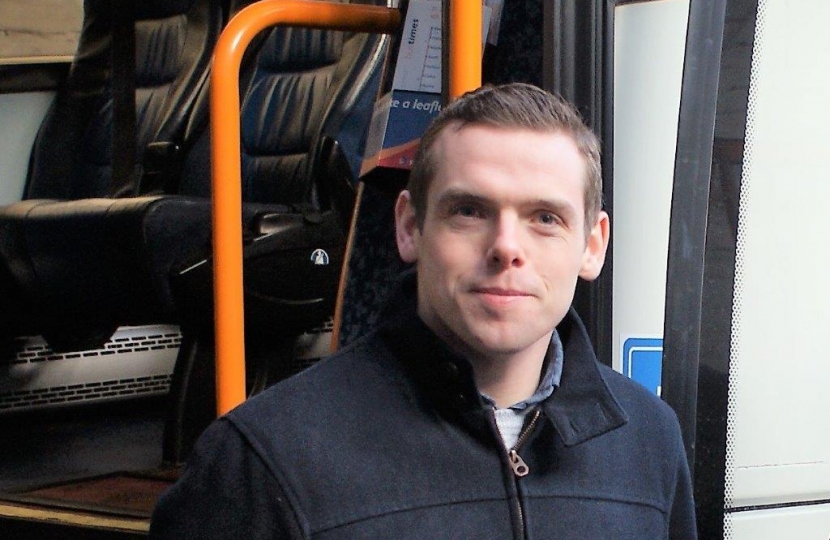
[(745, 359)]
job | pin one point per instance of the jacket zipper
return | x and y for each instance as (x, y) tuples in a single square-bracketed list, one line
[(520, 468)]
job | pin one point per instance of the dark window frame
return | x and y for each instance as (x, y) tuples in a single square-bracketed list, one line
[(35, 77), (700, 273)]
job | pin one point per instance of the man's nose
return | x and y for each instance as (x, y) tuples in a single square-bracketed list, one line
[(506, 248)]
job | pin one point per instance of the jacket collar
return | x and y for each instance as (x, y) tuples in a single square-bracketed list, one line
[(581, 408)]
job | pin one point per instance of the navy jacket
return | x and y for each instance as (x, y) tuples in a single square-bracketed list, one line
[(389, 439)]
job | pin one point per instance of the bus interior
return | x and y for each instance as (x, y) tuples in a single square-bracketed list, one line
[(710, 117)]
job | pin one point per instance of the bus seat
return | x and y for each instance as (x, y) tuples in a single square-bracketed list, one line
[(307, 99), (174, 42), (86, 262), (47, 235), (56, 227)]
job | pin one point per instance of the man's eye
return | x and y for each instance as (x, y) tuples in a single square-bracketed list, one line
[(467, 210), (546, 218)]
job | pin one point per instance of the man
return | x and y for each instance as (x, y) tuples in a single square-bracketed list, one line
[(477, 410)]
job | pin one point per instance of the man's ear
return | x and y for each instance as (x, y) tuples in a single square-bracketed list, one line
[(407, 233), (595, 246)]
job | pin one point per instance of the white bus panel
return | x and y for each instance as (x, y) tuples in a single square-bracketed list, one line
[(649, 45)]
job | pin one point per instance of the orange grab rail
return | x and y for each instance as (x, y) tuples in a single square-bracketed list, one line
[(464, 46), (226, 170)]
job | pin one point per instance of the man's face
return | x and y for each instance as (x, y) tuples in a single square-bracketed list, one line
[(503, 239)]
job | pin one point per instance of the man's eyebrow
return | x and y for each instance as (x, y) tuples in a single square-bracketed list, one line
[(454, 196), (559, 206)]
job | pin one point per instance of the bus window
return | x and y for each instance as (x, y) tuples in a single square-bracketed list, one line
[(39, 30), (37, 43)]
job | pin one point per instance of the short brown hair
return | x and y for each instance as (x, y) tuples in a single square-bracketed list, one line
[(514, 105)]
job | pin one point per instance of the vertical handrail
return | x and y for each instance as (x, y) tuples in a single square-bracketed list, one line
[(465, 48), (226, 169)]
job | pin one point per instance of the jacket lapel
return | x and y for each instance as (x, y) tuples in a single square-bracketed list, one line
[(583, 406)]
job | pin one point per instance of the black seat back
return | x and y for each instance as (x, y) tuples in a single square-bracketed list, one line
[(174, 39), (307, 97), (172, 43), (299, 87)]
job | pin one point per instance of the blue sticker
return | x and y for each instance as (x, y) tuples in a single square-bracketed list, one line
[(643, 361)]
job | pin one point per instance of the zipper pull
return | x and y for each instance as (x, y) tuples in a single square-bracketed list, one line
[(520, 468)]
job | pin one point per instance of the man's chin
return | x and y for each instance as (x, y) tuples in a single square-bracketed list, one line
[(492, 346)]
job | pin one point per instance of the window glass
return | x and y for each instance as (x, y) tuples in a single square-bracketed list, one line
[(39, 30)]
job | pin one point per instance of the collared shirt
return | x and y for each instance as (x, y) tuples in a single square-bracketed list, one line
[(510, 420), (549, 381)]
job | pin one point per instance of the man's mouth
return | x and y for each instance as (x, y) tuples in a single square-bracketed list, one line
[(497, 291), (500, 297)]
